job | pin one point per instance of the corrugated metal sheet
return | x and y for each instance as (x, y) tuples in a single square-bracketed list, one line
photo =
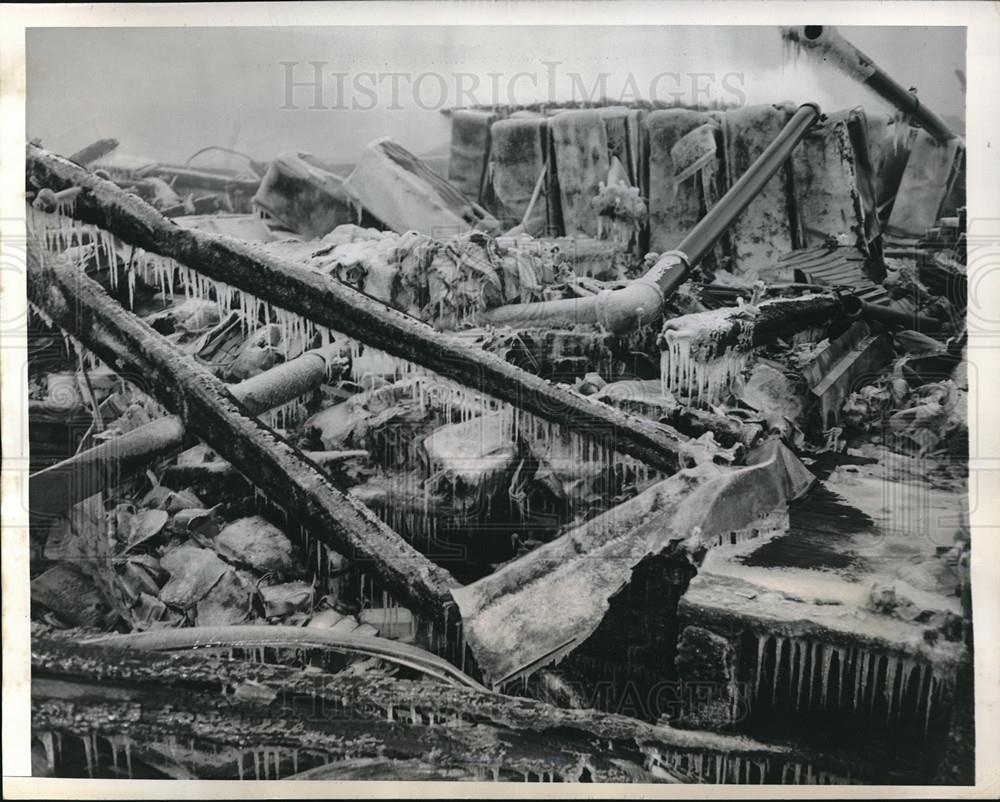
[(833, 267)]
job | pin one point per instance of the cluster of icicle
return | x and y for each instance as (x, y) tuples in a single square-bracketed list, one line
[(814, 675), (685, 372), (773, 523), (722, 768), (59, 232), (119, 748)]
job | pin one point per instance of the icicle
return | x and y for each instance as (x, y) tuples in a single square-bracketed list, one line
[(114, 753), (89, 753), (800, 665), (48, 744), (778, 649), (875, 662), (891, 668), (826, 669), (861, 669), (682, 368), (904, 685), (931, 682), (841, 664)]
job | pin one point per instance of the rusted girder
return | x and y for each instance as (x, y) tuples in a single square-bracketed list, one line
[(60, 486), (207, 407), (328, 302)]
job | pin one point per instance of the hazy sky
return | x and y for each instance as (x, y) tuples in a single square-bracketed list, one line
[(166, 92)]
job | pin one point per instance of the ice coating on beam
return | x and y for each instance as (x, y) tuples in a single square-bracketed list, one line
[(695, 362)]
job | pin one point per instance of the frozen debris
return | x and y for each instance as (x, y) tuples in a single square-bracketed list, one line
[(764, 230), (149, 612), (470, 151), (931, 172), (95, 150), (835, 369), (193, 572), (278, 601), (405, 195), (71, 595), (621, 210), (259, 352), (144, 527), (228, 602), (257, 544), (707, 661), (774, 395), (580, 149), (832, 183), (301, 194), (471, 450), (566, 525), (703, 507), (249, 227), (519, 175)]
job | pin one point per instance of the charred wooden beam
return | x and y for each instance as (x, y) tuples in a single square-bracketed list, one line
[(398, 712), (328, 302), (208, 409), (94, 151), (711, 334), (60, 486)]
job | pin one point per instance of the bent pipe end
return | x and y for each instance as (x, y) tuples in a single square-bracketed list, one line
[(619, 311)]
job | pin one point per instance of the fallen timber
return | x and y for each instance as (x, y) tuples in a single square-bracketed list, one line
[(328, 302), (208, 409), (303, 710), (60, 486)]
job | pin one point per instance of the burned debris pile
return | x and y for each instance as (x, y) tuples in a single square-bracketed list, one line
[(631, 447)]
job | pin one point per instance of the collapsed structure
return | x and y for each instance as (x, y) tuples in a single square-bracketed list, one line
[(639, 426)]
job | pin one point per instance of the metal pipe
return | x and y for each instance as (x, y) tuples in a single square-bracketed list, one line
[(58, 487), (641, 301), (854, 307), (825, 40)]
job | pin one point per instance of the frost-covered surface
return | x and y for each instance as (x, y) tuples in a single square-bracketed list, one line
[(574, 577)]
